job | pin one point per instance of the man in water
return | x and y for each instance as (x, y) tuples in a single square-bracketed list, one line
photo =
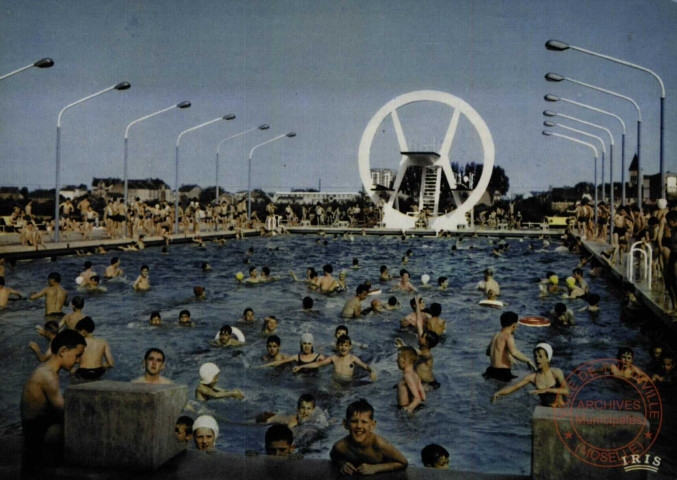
[(502, 349), (55, 296), (153, 364), (353, 307), (5, 293)]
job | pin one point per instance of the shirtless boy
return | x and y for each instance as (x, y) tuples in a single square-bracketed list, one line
[(97, 357), (410, 393), (142, 282), (113, 270), (55, 296), (404, 285), (226, 338), (70, 320), (87, 274), (502, 350), (153, 364), (410, 320), (5, 293), (353, 307), (362, 451), (344, 362), (42, 404), (327, 283), (273, 348)]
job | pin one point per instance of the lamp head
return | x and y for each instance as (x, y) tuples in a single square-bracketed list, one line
[(230, 116), (549, 113), (185, 104), (122, 86), (552, 98), (291, 134), (265, 126), (546, 133), (549, 124), (44, 63), (556, 45), (553, 77)]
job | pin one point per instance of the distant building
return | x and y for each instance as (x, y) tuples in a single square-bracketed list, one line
[(191, 192), (150, 189), (382, 176), (311, 198), (10, 193)]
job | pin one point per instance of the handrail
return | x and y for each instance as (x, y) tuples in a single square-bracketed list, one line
[(647, 257)]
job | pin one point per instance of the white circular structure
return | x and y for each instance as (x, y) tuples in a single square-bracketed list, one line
[(432, 163)]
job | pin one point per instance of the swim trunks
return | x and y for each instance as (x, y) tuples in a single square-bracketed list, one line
[(502, 374), (54, 316), (90, 374)]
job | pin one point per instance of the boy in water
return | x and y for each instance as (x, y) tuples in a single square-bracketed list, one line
[(273, 348), (184, 429), (155, 319), (666, 373), (502, 350), (344, 362), (248, 315), (226, 338), (205, 433), (308, 306), (113, 270), (435, 456), (404, 285), (269, 325), (561, 315), (327, 283), (417, 305), (362, 451), (49, 332), (142, 282), (184, 319), (207, 390), (279, 441), (435, 323), (443, 283), (153, 364), (353, 307), (42, 404), (410, 393), (55, 296), (5, 293), (93, 285), (70, 320), (97, 357), (385, 276)]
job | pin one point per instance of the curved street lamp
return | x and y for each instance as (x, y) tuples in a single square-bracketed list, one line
[(548, 133), (181, 105), (42, 63), (559, 46), (555, 98), (249, 172), (218, 147), (119, 86), (554, 77), (230, 116)]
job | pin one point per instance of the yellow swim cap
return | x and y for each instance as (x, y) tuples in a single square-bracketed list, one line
[(239, 276), (571, 282), (553, 279)]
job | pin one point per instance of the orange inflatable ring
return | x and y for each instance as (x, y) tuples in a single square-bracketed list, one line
[(534, 322)]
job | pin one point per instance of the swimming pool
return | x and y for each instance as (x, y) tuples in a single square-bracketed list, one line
[(458, 415)]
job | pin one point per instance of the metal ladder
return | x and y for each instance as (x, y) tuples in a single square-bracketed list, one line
[(430, 190), (645, 260)]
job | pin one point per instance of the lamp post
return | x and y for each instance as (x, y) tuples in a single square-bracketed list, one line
[(555, 98), (218, 147), (548, 133), (178, 105), (249, 172), (553, 77), (230, 116), (119, 86), (42, 63), (558, 46)]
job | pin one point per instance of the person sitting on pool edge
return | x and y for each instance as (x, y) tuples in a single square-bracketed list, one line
[(362, 451), (549, 382), (502, 349), (205, 433), (207, 390)]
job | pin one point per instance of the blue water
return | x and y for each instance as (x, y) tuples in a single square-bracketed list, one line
[(458, 415)]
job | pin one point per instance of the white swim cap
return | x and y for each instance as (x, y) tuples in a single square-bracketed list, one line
[(207, 421), (307, 338), (662, 203), (425, 278), (207, 372), (544, 346)]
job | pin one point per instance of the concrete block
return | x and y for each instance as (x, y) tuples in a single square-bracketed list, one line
[(552, 460), (122, 425)]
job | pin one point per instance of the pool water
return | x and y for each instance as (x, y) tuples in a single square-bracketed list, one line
[(458, 416)]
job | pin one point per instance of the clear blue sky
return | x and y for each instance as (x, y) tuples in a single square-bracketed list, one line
[(321, 68)]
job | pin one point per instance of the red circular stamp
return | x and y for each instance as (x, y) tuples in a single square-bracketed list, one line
[(614, 413)]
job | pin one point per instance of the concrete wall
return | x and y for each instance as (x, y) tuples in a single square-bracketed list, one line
[(550, 458), (122, 425)]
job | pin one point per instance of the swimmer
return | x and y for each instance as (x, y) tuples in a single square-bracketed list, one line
[(207, 390), (155, 319), (666, 373), (410, 320), (625, 367), (113, 270), (353, 307), (70, 320), (502, 350), (306, 356), (427, 340), (435, 323), (184, 429), (153, 365), (184, 319), (489, 283), (49, 331), (327, 283), (384, 276), (97, 356), (200, 293), (308, 306), (205, 433), (405, 260), (42, 404), (343, 330), (549, 382), (573, 290), (344, 362), (362, 451), (206, 267), (561, 315), (87, 274), (55, 296), (356, 264), (410, 392), (93, 285), (374, 307), (393, 304), (226, 338), (269, 325), (443, 283), (580, 281), (435, 456), (142, 282), (6, 293), (404, 285), (342, 285), (248, 316), (425, 278), (273, 354), (253, 276), (306, 412), (266, 277)]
